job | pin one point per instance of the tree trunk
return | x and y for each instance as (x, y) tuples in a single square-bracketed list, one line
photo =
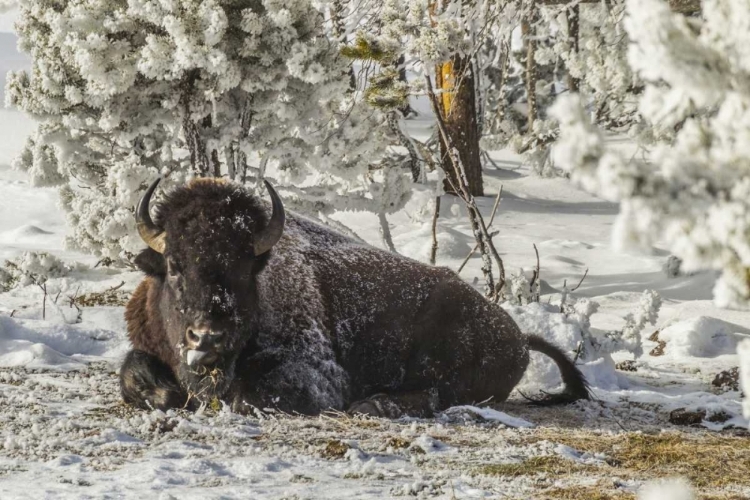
[(216, 163), (574, 84), (415, 159), (231, 160), (500, 85), (337, 11), (198, 158), (458, 109), (385, 233), (528, 30), (406, 109)]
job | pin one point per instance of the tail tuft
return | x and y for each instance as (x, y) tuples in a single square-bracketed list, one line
[(576, 386)]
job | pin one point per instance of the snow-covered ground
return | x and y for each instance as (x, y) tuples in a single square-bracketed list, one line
[(65, 434)]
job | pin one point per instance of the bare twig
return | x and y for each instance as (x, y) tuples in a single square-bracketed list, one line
[(565, 292), (481, 234), (72, 302), (104, 261), (579, 349), (415, 159), (486, 156), (74, 297), (492, 219), (79, 312), (564, 297), (385, 232), (535, 280), (43, 286), (435, 215), (12, 313), (580, 282)]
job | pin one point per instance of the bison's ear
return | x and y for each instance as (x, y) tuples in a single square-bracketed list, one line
[(151, 262)]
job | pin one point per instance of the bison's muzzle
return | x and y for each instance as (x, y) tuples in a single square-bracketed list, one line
[(203, 345)]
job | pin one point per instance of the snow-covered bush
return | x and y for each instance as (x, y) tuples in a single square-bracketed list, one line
[(128, 90), (33, 268), (39, 161), (570, 328), (518, 289), (629, 338), (694, 193), (571, 333)]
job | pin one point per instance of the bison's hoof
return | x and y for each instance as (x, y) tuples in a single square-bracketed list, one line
[(379, 405), (367, 407)]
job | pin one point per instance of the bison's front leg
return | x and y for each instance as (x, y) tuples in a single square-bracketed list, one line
[(146, 382), (420, 404)]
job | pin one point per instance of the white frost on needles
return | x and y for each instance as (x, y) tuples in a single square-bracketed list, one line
[(694, 193)]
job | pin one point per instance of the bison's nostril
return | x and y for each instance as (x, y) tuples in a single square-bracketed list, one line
[(192, 336)]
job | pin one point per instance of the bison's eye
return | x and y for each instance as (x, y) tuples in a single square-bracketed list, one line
[(173, 269), (174, 276)]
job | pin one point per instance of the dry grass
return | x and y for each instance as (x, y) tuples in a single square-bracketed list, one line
[(543, 464), (105, 298), (707, 460), (397, 443), (335, 449), (584, 492), (716, 465)]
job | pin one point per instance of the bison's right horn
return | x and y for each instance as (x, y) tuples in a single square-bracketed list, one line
[(266, 239), (150, 233)]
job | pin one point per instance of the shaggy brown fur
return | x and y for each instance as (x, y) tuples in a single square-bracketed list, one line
[(322, 322), (142, 318)]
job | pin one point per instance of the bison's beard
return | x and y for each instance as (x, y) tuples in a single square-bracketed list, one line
[(204, 384)]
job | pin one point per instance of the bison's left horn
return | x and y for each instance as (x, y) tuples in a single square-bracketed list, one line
[(266, 239), (150, 233)]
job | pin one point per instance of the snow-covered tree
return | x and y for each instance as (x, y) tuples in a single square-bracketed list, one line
[(580, 47), (126, 90), (693, 194), (435, 40), (33, 268)]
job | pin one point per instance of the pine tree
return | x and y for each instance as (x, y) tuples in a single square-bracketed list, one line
[(130, 89), (694, 192)]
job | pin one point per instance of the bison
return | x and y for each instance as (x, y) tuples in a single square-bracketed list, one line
[(278, 311)]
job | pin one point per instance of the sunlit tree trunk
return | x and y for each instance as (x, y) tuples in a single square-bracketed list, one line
[(573, 29), (458, 107)]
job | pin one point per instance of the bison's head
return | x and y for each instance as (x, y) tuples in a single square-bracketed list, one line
[(207, 244)]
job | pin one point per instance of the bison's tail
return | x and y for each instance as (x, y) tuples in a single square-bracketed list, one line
[(576, 386)]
